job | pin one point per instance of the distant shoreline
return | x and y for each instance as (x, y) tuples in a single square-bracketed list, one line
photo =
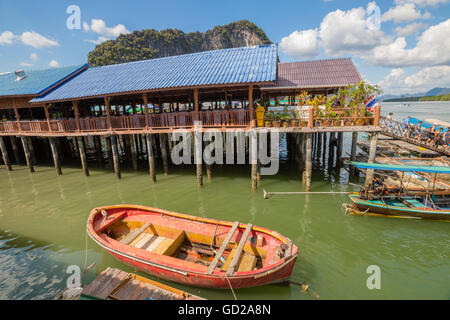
[(445, 97)]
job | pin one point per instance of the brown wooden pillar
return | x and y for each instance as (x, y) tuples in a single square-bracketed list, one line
[(15, 148), (196, 106), (115, 156), (98, 150), (55, 155), (16, 112), (340, 142), (250, 107), (5, 154), (83, 158), (353, 152), (151, 157), (27, 153), (109, 152), (308, 164), (372, 155), (144, 98), (77, 114), (163, 147), (32, 153), (47, 116), (108, 111), (133, 151)]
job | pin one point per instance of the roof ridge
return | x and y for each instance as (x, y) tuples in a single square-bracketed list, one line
[(186, 54)]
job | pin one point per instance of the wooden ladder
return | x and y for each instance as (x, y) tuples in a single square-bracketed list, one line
[(237, 255), (224, 245)]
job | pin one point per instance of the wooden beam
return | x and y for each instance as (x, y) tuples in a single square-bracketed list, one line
[(27, 153), (5, 154), (196, 105), (77, 114), (47, 116), (237, 255), (250, 106), (224, 245), (83, 158), (144, 98), (55, 155), (108, 111), (151, 157), (115, 155)]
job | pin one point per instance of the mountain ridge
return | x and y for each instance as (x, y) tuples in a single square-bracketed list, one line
[(150, 43)]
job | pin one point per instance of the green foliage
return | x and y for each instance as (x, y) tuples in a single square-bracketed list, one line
[(150, 43)]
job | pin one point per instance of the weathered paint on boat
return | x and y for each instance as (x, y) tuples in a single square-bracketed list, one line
[(174, 269), (399, 209)]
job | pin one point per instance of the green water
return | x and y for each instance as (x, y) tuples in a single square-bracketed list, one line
[(43, 218)]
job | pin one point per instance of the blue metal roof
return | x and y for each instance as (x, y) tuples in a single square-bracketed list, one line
[(36, 81), (228, 66)]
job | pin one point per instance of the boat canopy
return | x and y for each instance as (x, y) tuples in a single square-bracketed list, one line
[(400, 167)]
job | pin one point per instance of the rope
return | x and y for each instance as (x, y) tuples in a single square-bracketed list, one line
[(232, 291)]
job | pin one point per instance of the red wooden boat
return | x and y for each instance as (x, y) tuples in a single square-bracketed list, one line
[(192, 250)]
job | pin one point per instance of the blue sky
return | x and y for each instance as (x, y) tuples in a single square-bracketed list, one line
[(407, 51)]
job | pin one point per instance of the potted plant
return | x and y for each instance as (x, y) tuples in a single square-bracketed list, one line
[(294, 119), (276, 122)]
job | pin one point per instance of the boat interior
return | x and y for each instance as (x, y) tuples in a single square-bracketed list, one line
[(435, 202), (200, 248)]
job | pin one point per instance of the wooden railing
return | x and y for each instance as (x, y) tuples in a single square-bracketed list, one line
[(230, 118), (336, 117), (411, 133)]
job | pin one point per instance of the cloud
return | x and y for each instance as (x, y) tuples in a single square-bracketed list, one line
[(410, 29), (53, 64), (422, 3), (425, 79), (404, 13), (6, 37), (105, 33), (26, 64), (301, 44), (33, 56), (432, 48), (349, 32), (34, 39)]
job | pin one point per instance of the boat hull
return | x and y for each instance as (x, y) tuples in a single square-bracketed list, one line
[(390, 210), (172, 269)]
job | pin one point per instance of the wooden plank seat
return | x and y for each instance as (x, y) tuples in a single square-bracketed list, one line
[(224, 245), (159, 244), (237, 255), (246, 263), (134, 234)]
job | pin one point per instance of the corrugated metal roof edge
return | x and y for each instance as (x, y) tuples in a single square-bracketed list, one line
[(307, 87), (237, 84), (62, 80), (50, 87), (186, 54), (317, 60)]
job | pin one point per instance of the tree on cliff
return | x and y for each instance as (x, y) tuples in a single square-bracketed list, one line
[(150, 43)]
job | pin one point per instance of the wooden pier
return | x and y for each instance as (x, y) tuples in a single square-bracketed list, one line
[(115, 284)]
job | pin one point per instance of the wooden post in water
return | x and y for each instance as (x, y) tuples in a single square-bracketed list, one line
[(340, 141), (308, 164), (32, 153), (163, 147), (353, 152), (26, 151), (98, 150), (14, 148), (151, 157), (115, 156), (253, 156), (5, 154), (109, 152), (55, 155), (324, 151), (133, 149), (83, 157), (331, 144), (372, 155)]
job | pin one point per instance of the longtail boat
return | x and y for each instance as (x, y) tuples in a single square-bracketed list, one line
[(426, 205), (192, 250)]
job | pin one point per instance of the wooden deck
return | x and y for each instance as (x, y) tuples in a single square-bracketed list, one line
[(114, 284)]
